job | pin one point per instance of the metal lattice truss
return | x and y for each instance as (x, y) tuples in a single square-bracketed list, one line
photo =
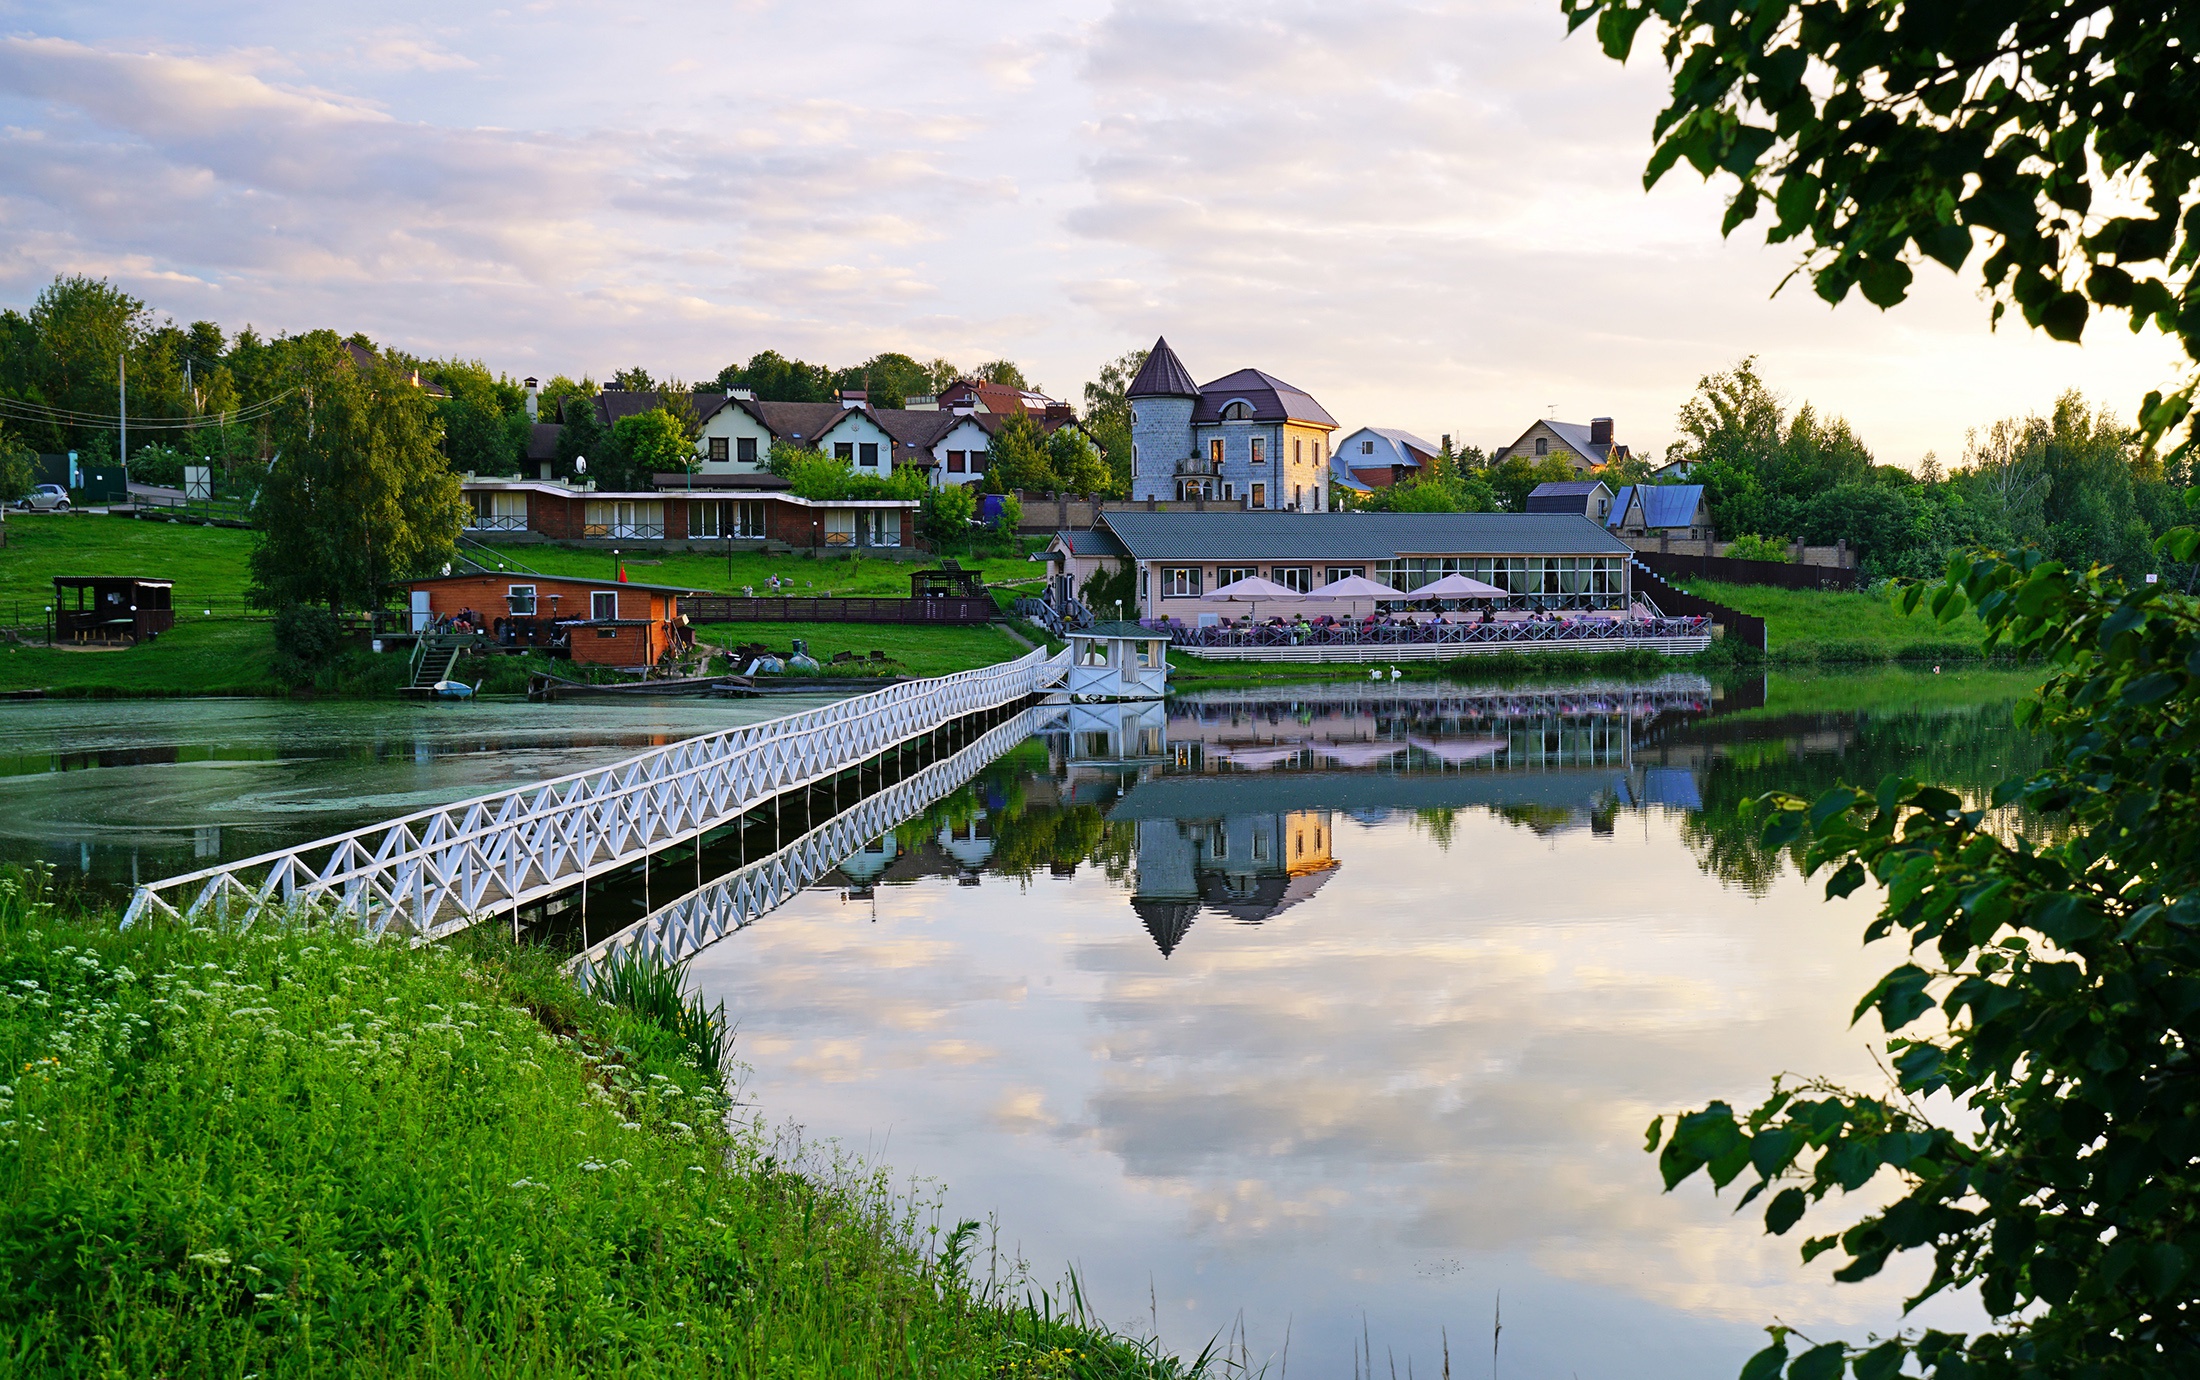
[(685, 927), (432, 873)]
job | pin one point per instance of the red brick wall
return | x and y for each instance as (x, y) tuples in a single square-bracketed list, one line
[(554, 515)]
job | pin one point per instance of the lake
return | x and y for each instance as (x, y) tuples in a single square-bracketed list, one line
[(1319, 1020)]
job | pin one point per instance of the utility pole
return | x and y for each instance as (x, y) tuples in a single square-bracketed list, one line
[(122, 407)]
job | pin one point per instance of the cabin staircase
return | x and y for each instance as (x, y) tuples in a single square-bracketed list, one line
[(434, 654)]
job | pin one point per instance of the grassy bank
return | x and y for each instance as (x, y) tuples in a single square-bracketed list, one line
[(800, 576), (295, 1153), (205, 562), (207, 657), (914, 650), (1808, 626)]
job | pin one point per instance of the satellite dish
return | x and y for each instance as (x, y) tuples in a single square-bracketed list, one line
[(580, 464)]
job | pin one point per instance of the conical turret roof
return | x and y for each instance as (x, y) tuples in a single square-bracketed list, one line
[(1163, 375)]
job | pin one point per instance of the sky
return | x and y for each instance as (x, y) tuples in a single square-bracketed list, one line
[(1428, 215)]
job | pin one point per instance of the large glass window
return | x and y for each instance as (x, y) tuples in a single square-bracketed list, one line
[(1231, 574), (744, 450), (1297, 578), (1180, 582)]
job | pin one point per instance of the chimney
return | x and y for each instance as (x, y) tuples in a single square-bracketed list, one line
[(1600, 431), (534, 400), (1447, 441), (853, 397), (614, 387)]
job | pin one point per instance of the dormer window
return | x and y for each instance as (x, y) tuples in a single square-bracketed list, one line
[(1237, 412)]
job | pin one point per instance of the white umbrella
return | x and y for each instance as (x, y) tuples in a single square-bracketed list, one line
[(1457, 587), (1251, 590), (1357, 587)]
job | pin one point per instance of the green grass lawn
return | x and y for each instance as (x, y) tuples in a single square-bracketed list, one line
[(915, 650), (205, 562), (206, 657), (1804, 625), (297, 1152), (800, 576)]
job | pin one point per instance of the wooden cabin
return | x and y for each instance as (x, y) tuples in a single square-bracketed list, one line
[(111, 608), (610, 622)]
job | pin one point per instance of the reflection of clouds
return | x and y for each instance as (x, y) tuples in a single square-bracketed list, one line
[(1451, 1059)]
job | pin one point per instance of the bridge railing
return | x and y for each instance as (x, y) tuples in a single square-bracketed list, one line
[(683, 928), (436, 871)]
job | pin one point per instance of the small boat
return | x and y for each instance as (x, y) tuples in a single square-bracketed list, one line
[(453, 689)]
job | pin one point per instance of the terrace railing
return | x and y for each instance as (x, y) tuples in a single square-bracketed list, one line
[(1606, 632), (431, 873)]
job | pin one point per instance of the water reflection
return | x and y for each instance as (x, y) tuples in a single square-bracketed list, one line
[(1341, 1010)]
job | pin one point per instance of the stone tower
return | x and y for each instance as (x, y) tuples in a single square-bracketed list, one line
[(1162, 400)]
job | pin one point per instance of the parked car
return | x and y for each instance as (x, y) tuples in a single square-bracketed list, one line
[(46, 498)]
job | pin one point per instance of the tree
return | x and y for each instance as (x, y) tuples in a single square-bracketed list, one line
[(775, 378), (1004, 371), (1513, 478), (635, 380), (475, 438), (1108, 414), (944, 514), (2065, 967), (581, 437), (16, 468), (361, 497), (645, 444), (1077, 467), (1750, 547), (1018, 458), (888, 379), (2061, 136)]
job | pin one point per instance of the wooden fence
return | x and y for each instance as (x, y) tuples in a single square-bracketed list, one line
[(1728, 570), (719, 608)]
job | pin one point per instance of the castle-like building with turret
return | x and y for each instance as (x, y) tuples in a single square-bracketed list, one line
[(1248, 438)]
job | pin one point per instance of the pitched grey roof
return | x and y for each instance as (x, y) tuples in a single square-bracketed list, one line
[(1407, 439), (614, 403), (1093, 542), (1242, 536), (1566, 488), (1163, 375), (1618, 515), (1271, 398)]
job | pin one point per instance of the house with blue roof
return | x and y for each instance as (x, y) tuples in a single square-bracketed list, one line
[(1377, 457), (1677, 511)]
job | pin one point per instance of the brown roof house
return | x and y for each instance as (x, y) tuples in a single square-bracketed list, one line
[(1584, 448), (1247, 437)]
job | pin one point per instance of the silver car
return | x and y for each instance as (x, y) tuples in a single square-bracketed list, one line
[(46, 498)]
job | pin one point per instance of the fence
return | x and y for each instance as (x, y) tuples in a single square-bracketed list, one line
[(1728, 570), (1670, 599), (719, 608), (430, 873), (1402, 641), (710, 913)]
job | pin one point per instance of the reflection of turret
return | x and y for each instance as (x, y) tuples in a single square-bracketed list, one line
[(869, 862), (1166, 921), (1247, 867), (970, 845)]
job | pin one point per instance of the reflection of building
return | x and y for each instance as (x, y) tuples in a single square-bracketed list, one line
[(1248, 867)]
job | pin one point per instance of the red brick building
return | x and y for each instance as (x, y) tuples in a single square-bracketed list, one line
[(616, 623), (705, 512)]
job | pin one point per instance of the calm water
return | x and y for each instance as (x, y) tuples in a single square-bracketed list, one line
[(113, 792), (1318, 1016)]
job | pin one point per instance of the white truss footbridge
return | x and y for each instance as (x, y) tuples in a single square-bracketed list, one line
[(430, 874), (672, 933)]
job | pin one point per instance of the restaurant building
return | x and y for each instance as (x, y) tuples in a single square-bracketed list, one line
[(1540, 561)]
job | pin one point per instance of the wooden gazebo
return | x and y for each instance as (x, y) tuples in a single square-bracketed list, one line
[(111, 608)]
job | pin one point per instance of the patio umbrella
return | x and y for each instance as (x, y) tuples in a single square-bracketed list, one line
[(1358, 754), (1457, 587), (1251, 590), (1356, 587)]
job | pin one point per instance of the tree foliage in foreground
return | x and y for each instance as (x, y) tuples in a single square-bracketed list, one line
[(2066, 979), (1881, 135)]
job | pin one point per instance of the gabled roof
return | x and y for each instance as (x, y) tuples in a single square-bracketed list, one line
[(1232, 535), (542, 441), (1618, 515), (1420, 449), (1669, 505), (1092, 542), (614, 403), (1566, 488), (1163, 375), (1271, 399)]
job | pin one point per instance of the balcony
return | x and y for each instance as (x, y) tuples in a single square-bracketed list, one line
[(1197, 465)]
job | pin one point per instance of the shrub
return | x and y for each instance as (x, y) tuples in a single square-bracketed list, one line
[(1750, 547), (307, 638)]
